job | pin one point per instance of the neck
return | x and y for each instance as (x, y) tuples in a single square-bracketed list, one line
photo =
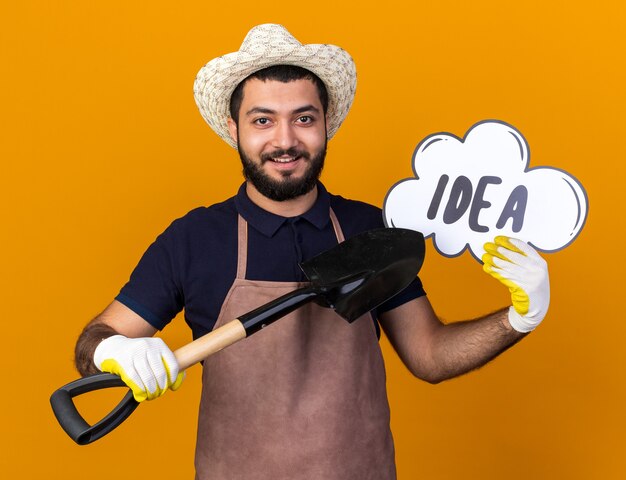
[(288, 208)]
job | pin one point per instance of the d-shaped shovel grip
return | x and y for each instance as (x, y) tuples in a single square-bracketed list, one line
[(71, 420)]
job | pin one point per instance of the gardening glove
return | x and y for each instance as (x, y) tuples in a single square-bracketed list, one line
[(146, 365), (518, 266)]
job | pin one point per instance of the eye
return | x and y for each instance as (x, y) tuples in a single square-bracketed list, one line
[(305, 119), (262, 121)]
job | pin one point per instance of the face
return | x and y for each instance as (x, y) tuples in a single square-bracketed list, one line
[(281, 137)]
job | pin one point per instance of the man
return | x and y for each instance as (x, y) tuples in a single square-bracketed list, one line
[(306, 397)]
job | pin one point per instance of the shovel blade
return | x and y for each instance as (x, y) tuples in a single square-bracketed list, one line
[(366, 270)]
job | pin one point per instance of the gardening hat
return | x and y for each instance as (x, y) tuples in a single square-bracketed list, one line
[(264, 46)]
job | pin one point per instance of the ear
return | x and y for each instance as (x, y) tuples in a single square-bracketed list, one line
[(232, 129)]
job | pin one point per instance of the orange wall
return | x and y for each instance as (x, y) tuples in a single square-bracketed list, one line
[(102, 146)]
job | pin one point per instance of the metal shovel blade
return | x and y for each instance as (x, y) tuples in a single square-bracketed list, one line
[(366, 270)]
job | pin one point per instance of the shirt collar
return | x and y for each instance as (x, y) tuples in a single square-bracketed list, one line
[(268, 223)]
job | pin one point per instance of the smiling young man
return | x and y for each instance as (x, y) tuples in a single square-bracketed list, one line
[(305, 398)]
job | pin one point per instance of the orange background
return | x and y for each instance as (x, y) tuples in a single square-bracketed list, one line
[(102, 146)]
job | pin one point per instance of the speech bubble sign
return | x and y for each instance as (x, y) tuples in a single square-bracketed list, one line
[(468, 190)]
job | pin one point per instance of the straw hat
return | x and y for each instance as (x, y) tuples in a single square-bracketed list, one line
[(264, 46)]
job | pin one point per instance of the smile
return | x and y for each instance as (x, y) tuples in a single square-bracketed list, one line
[(285, 159)]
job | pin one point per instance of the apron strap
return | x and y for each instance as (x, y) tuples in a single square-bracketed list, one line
[(242, 247), (336, 226), (242, 241)]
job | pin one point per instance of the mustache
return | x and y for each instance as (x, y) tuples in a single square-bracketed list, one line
[(292, 152)]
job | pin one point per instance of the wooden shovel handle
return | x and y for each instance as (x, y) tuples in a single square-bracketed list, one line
[(242, 327), (209, 344)]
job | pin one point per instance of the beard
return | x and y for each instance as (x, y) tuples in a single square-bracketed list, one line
[(286, 188)]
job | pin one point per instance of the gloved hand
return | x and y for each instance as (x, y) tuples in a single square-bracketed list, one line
[(146, 365), (518, 266)]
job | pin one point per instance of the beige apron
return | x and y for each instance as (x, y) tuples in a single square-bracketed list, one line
[(304, 398)]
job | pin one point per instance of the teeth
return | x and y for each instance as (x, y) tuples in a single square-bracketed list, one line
[(284, 160)]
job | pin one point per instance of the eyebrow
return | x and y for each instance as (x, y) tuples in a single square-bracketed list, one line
[(269, 111)]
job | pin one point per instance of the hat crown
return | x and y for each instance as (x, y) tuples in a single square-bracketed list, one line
[(268, 35)]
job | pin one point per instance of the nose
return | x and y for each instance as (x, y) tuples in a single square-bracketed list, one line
[(285, 136)]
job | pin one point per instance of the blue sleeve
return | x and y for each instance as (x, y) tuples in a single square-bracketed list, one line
[(153, 290), (413, 291)]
